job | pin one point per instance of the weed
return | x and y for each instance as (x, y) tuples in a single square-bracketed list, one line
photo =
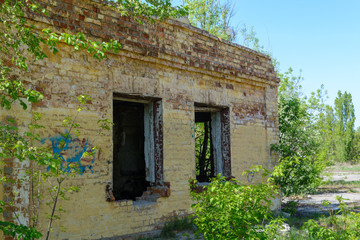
[(178, 224), (341, 224), (290, 207), (352, 190)]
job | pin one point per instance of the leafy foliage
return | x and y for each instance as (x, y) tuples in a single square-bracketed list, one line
[(312, 135), (231, 210), (299, 169), (295, 140), (19, 231), (16, 33), (149, 8), (344, 125), (213, 16), (296, 175)]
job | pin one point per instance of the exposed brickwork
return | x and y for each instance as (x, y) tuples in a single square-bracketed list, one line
[(175, 42), (170, 61)]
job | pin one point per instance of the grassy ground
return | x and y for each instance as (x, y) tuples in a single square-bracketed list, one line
[(346, 167), (340, 186), (348, 182), (331, 221)]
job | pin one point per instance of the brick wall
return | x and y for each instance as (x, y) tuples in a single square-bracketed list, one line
[(171, 61), (175, 42)]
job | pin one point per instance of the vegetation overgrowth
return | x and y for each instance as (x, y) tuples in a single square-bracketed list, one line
[(230, 210)]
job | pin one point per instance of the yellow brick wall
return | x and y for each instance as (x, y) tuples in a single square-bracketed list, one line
[(250, 94), (178, 89)]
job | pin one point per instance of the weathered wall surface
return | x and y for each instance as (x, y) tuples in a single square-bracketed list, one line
[(179, 64)]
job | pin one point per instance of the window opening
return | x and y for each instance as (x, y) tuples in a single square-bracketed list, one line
[(129, 175), (212, 142), (138, 149), (204, 148)]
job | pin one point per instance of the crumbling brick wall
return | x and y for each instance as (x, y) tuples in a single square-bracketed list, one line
[(179, 64)]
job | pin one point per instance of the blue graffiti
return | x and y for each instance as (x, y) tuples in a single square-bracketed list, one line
[(250, 176), (72, 153)]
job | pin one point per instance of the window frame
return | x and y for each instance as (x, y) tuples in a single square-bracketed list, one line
[(220, 133), (153, 150)]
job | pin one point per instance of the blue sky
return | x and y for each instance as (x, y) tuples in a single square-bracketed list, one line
[(322, 38)]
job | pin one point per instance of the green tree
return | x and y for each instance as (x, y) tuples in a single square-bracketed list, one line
[(248, 38), (356, 147), (323, 124), (294, 118), (327, 135), (299, 169), (344, 126), (213, 16)]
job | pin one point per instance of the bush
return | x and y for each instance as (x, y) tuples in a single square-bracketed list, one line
[(231, 210), (298, 175)]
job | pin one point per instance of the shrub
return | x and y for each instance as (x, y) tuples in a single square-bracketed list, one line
[(298, 175), (231, 210)]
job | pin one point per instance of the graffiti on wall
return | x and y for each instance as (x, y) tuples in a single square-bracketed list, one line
[(71, 151), (250, 176)]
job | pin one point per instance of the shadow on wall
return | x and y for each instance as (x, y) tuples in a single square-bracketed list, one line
[(72, 153)]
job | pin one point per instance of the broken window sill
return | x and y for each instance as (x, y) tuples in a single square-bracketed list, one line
[(151, 195), (199, 187)]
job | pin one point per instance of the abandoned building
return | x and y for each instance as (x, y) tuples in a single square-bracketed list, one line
[(185, 105)]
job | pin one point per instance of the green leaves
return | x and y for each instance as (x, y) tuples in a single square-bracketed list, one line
[(19, 231), (212, 16), (161, 9), (231, 210), (344, 126), (297, 171), (299, 167), (79, 42), (312, 134), (105, 124)]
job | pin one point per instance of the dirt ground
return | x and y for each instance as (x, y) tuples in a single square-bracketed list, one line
[(341, 180)]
